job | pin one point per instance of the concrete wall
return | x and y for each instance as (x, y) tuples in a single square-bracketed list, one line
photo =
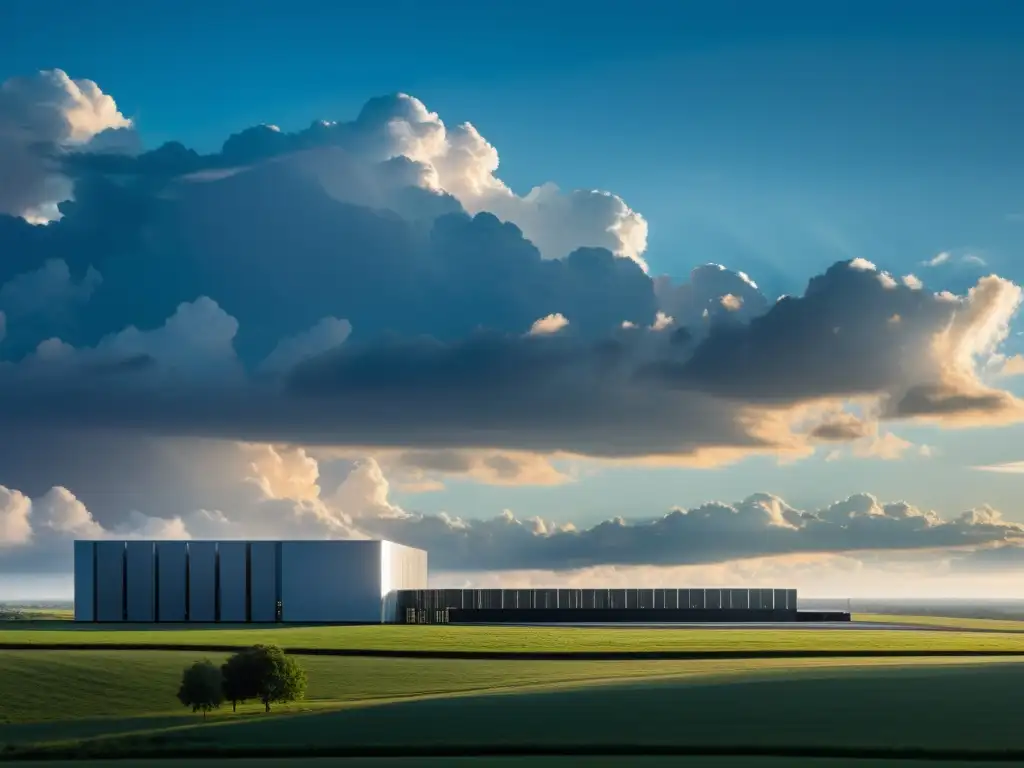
[(85, 583), (172, 575), (140, 580)]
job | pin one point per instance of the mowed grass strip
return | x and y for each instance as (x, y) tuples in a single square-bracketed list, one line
[(509, 639), (939, 707), (991, 625)]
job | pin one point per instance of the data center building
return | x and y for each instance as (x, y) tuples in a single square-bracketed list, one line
[(336, 582)]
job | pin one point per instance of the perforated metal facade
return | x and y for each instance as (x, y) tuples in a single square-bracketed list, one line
[(263, 581), (109, 582), (598, 605), (140, 580), (85, 581), (202, 581), (172, 580), (232, 582)]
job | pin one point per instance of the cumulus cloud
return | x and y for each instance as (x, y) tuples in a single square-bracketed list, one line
[(734, 389), (49, 289), (761, 525), (250, 260), (41, 117), (36, 534), (282, 491), (15, 509), (711, 293), (372, 288), (839, 339), (396, 144), (193, 347)]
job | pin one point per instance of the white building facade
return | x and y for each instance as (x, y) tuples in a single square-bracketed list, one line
[(330, 582)]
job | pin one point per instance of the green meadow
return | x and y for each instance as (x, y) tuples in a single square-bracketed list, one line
[(103, 701)]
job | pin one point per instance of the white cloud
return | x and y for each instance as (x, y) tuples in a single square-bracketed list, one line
[(549, 324), (661, 321), (15, 510), (913, 281), (42, 116), (732, 303), (459, 161), (46, 526), (195, 344), (958, 257), (1010, 467)]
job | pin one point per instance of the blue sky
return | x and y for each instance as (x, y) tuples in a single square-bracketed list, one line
[(777, 138), (774, 138)]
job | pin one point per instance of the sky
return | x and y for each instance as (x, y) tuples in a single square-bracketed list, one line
[(738, 305)]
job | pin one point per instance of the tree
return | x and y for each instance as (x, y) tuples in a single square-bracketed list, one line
[(201, 687), (276, 676), (239, 678)]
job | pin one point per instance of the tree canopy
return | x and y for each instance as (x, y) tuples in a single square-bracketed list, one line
[(239, 678), (263, 672), (201, 687)]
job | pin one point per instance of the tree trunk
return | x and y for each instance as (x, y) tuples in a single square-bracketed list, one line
[(234, 706), (266, 703), (204, 714)]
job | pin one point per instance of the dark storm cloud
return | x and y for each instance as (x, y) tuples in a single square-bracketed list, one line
[(633, 393), (266, 240), (278, 253), (840, 428), (848, 334)]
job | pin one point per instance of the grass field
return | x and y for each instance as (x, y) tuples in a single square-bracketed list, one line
[(945, 706), (514, 639), (994, 625), (79, 694), (508, 762), (124, 700), (84, 694), (16, 613)]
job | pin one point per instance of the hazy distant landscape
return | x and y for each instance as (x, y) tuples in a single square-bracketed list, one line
[(980, 608), (964, 608)]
